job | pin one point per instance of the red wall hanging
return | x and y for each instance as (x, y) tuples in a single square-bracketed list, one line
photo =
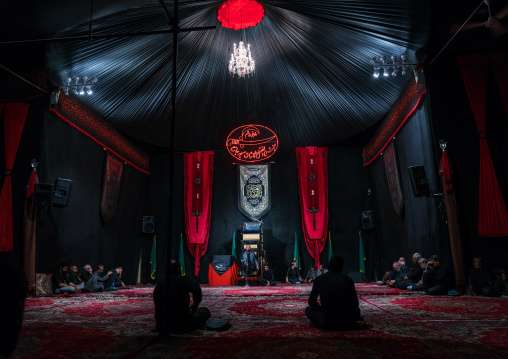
[(197, 186), (312, 163)]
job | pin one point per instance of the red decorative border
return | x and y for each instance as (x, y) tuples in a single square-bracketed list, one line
[(101, 133), (406, 104)]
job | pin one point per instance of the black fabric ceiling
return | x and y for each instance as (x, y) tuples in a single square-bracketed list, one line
[(313, 83)]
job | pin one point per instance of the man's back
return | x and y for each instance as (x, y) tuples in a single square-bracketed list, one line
[(172, 302), (339, 301)]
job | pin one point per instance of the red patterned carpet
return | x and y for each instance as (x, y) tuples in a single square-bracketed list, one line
[(266, 322)]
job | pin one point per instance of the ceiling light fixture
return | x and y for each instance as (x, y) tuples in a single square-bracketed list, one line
[(78, 87), (392, 67), (241, 62)]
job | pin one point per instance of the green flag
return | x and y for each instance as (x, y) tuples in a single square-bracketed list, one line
[(181, 257), (153, 258), (362, 254), (233, 247), (296, 258), (330, 249)]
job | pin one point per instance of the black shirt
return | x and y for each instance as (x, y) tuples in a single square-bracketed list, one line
[(339, 301), (58, 278)]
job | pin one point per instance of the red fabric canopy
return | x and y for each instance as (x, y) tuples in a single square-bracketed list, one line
[(197, 186), (14, 121), (312, 165), (240, 14)]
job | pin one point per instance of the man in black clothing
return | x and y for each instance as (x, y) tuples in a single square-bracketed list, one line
[(437, 278), (414, 273), (115, 279), (173, 312), (339, 302), (293, 274), (482, 281), (60, 282), (267, 277)]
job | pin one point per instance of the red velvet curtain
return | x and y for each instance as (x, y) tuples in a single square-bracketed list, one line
[(312, 163), (198, 175), (14, 121), (492, 215)]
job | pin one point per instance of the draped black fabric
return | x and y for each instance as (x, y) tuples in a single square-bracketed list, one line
[(423, 221), (313, 83)]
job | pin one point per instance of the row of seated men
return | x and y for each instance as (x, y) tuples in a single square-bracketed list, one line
[(434, 277), (72, 281), (248, 262)]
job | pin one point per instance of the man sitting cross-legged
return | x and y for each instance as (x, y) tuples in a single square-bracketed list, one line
[(267, 277), (339, 302), (173, 312), (60, 282)]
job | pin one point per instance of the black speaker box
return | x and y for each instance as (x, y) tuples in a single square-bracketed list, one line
[(148, 225), (43, 193), (221, 263), (367, 220), (62, 192), (419, 181)]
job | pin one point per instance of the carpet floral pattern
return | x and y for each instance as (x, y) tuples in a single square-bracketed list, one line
[(266, 322)]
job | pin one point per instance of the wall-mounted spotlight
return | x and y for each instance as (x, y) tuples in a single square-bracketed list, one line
[(79, 86), (391, 67)]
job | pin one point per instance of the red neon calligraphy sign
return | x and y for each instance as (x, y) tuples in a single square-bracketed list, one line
[(252, 143)]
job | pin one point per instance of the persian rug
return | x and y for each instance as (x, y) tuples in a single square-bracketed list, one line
[(265, 323)]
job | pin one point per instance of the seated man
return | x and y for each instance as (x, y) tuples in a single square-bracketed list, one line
[(293, 274), (115, 279), (173, 312), (311, 275), (248, 262), (267, 278), (502, 283), (60, 282), (99, 279), (437, 278), (418, 286), (322, 270), (482, 281), (413, 274), (74, 278), (386, 276), (394, 275), (88, 273), (339, 302)]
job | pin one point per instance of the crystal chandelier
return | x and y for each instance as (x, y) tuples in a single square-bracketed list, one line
[(241, 62)]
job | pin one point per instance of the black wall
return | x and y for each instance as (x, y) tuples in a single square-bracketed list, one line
[(76, 233), (421, 227), (348, 185)]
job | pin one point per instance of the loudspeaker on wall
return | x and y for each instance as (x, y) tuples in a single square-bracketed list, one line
[(419, 181), (367, 220), (148, 225), (62, 192)]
